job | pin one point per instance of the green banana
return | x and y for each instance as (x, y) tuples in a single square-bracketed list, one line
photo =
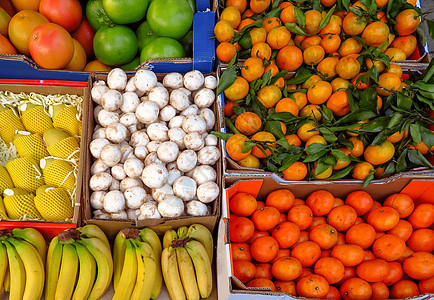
[(187, 273), (169, 266), (17, 273), (202, 265), (119, 248), (129, 273), (34, 268), (54, 260), (68, 272), (104, 262), (3, 264), (169, 237), (34, 237), (90, 230), (182, 232), (86, 274), (146, 271), (149, 236), (202, 234)]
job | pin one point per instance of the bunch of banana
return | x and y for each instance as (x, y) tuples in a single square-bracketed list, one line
[(186, 262), (79, 264), (137, 273), (22, 257)]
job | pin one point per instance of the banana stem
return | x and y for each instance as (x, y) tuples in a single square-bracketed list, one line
[(130, 233), (180, 243), (5, 233), (69, 236)]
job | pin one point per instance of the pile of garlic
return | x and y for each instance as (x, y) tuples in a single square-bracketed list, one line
[(153, 156)]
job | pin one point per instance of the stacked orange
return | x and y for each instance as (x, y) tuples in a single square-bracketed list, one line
[(325, 247)]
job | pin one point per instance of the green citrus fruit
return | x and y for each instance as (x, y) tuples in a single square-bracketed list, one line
[(115, 45), (145, 35), (125, 11), (170, 18), (96, 15), (187, 43), (162, 47), (131, 65)]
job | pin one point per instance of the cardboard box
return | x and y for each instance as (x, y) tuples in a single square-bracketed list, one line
[(51, 229), (112, 227), (230, 166), (260, 186), (23, 67)]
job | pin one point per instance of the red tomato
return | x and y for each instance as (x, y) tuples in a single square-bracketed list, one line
[(84, 35), (66, 13)]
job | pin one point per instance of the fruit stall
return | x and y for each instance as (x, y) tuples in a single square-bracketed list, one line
[(197, 149)]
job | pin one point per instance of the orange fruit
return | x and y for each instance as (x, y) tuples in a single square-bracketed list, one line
[(5, 18), (262, 136), (223, 31), (312, 286), (293, 139), (240, 251), (402, 230), (307, 130), (404, 289), (324, 235), (379, 154), (362, 170), (320, 202), (383, 218), (348, 67), (281, 199), (287, 105), (361, 234), (250, 162), (289, 58), (395, 54), (244, 270), (258, 6), (341, 164), (234, 145), (422, 216), (244, 23), (248, 123), (319, 92), (297, 171), (316, 139), (388, 82), (421, 240), (301, 215), (238, 90), (269, 95), (333, 27), (338, 103), (330, 43), (262, 283), (349, 255), (300, 99), (278, 37), (242, 204), (286, 268), (264, 249), (96, 66), (258, 35), (339, 84), (375, 34), (240, 4), (271, 22), (356, 288), (261, 51), (240, 229), (253, 68), (378, 64), (311, 110), (306, 252), (358, 147), (226, 51), (313, 19), (310, 41), (406, 43), (350, 46), (232, 15), (403, 204), (313, 55), (26, 4), (353, 24), (388, 247), (6, 46), (407, 21), (419, 265), (287, 14), (311, 81), (21, 27), (374, 270), (395, 69), (78, 60)]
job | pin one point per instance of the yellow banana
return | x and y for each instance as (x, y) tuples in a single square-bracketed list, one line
[(104, 263), (54, 260), (129, 274), (149, 236), (202, 234), (34, 237), (182, 232), (90, 230), (68, 273), (34, 268), (147, 269), (187, 273), (169, 266), (202, 265), (17, 273), (169, 237), (7, 281), (119, 248), (86, 274), (3, 264)]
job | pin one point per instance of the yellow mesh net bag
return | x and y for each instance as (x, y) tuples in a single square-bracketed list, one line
[(35, 118), (58, 173), (9, 124), (19, 207), (5, 180), (31, 145), (3, 214), (67, 149), (54, 205), (25, 173), (66, 119)]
